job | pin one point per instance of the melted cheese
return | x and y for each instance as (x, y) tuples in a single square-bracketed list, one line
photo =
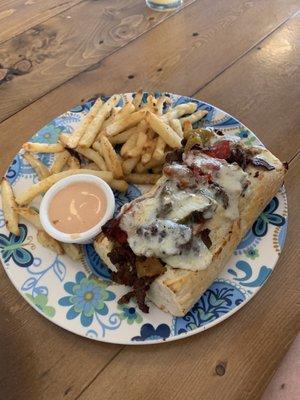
[(161, 238), (231, 177), (196, 257)]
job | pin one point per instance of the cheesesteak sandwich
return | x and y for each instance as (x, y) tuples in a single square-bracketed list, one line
[(171, 243)]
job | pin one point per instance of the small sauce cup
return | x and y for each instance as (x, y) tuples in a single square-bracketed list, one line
[(80, 237)]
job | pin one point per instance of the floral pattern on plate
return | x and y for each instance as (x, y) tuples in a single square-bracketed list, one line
[(80, 297)]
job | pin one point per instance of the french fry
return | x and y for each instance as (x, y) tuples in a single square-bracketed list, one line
[(111, 158), (150, 133), (176, 125), (73, 139), (129, 164), (164, 130), (148, 150), (126, 110), (39, 167), (151, 104), (142, 179), (47, 241), (180, 110), (59, 162), (157, 170), (43, 147), (140, 168), (129, 144), (42, 186), (73, 162), (93, 156), (92, 166), (194, 117), (160, 104), (119, 185), (159, 151), (30, 215), (72, 250), (125, 122), (97, 146), (8, 205), (187, 129), (114, 112), (94, 127), (138, 99), (140, 142), (122, 137)]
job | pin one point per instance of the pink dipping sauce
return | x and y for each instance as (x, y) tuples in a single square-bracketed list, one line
[(77, 207)]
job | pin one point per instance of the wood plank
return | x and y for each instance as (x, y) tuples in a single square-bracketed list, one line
[(262, 90), (52, 52), (249, 344), (16, 16), (39, 360), (166, 67)]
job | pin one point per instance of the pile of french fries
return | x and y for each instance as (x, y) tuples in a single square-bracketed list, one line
[(143, 132)]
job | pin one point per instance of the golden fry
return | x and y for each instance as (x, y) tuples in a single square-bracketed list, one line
[(119, 185), (72, 250), (73, 162), (97, 146), (43, 147), (42, 186), (142, 179), (138, 99), (47, 241), (111, 158), (39, 167), (125, 122), (140, 142), (93, 156), (8, 205), (129, 164), (187, 129), (73, 139), (95, 126), (122, 137), (176, 125), (30, 215), (180, 110), (159, 151), (160, 104), (129, 144), (92, 166), (164, 130), (126, 110), (194, 117), (140, 168), (59, 162)]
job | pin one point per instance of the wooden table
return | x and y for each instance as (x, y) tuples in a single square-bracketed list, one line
[(240, 55)]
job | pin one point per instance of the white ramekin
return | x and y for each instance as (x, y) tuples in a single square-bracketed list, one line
[(82, 237)]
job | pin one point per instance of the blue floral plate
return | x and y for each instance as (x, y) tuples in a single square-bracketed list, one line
[(81, 298)]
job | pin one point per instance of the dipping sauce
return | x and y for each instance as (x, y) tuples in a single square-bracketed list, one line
[(77, 207)]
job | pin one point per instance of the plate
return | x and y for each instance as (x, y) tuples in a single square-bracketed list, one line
[(65, 291)]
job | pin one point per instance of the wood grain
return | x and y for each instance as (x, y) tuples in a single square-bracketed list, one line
[(184, 53), (52, 52), (110, 77), (16, 16), (262, 90), (39, 360), (166, 67), (232, 361)]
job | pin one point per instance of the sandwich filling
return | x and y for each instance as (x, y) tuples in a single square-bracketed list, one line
[(173, 225)]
